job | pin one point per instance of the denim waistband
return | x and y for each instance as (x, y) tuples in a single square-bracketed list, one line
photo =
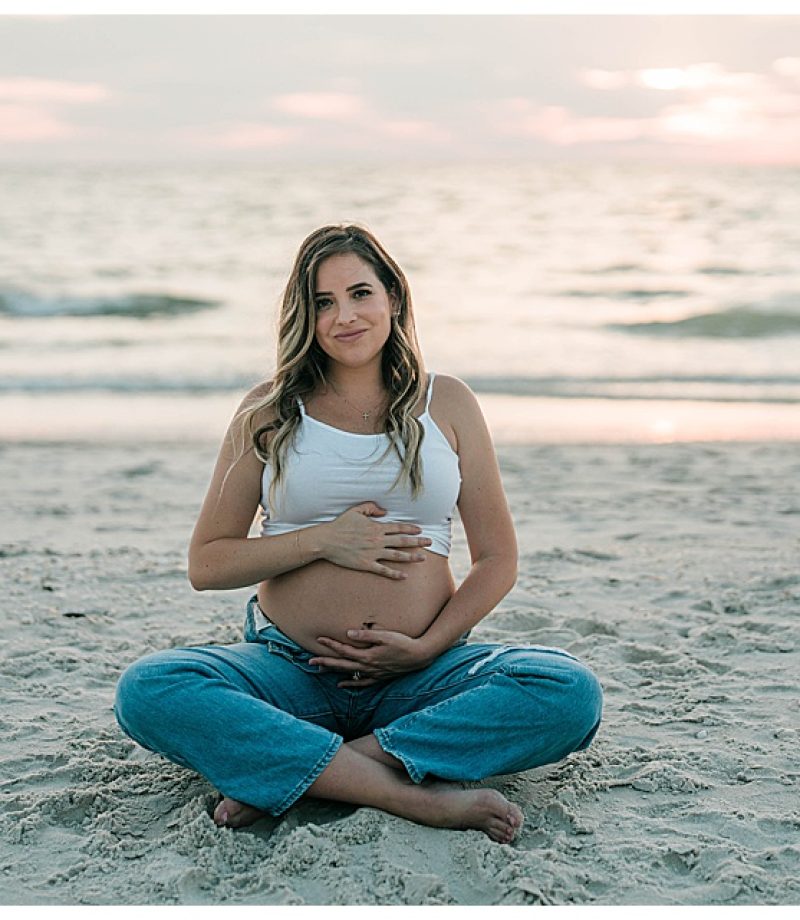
[(258, 625)]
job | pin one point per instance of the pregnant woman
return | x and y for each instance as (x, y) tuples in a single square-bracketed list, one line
[(356, 680)]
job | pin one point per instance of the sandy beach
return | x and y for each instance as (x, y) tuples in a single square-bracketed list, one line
[(670, 568)]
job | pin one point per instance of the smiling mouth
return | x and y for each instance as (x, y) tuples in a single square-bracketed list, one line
[(351, 335)]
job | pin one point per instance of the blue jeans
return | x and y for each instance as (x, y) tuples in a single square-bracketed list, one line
[(261, 723)]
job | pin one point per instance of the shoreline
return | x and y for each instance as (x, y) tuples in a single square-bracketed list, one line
[(200, 419)]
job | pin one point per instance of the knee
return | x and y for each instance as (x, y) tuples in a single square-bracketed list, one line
[(567, 695), (138, 692), (583, 704)]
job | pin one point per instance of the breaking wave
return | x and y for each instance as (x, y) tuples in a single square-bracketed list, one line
[(25, 305), (737, 323)]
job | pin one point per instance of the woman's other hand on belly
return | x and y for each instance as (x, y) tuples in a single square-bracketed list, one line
[(379, 654)]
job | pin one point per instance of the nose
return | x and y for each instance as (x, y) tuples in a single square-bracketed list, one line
[(347, 313)]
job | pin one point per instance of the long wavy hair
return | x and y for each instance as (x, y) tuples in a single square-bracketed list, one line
[(301, 363)]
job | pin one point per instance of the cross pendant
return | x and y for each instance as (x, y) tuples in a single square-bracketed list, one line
[(365, 415)]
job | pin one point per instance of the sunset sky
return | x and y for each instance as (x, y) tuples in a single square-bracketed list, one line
[(349, 88)]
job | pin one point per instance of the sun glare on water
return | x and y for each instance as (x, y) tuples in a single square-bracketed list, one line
[(663, 429)]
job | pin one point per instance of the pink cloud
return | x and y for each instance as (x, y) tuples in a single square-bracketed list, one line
[(706, 77), (728, 115), (682, 123), (787, 67), (763, 130), (417, 130), (325, 106), (245, 135), (603, 79), (19, 123), (26, 89), (25, 107), (560, 126)]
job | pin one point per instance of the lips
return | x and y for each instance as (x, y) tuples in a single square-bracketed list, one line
[(350, 335)]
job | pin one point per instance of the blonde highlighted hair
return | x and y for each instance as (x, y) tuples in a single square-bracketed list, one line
[(301, 362)]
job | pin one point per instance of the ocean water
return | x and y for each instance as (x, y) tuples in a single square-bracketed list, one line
[(144, 298)]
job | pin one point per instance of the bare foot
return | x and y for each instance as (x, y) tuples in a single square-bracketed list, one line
[(444, 805), (230, 813), (485, 810)]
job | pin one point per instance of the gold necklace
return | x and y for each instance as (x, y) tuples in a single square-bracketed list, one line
[(365, 415)]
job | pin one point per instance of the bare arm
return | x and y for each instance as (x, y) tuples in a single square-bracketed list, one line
[(220, 553), (487, 523)]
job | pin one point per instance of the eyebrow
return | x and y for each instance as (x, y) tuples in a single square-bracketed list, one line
[(351, 288)]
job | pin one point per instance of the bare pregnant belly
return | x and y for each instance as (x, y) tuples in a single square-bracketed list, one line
[(323, 599)]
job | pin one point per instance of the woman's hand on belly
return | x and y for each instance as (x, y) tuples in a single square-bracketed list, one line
[(353, 541), (381, 654)]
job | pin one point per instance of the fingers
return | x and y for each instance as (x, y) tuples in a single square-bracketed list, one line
[(347, 656), (361, 635), (397, 555), (389, 573), (338, 664), (413, 554), (406, 537), (406, 542), (342, 648), (373, 636)]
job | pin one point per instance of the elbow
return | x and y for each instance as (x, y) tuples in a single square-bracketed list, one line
[(510, 568), (513, 563), (197, 581), (198, 574), (209, 572), (505, 569), (513, 572)]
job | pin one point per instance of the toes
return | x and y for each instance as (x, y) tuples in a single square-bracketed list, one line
[(508, 826), (221, 814), (515, 817), (237, 814), (229, 813), (501, 833)]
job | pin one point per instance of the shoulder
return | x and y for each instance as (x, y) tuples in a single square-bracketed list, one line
[(251, 413), (255, 398), (453, 395), (258, 393), (454, 405)]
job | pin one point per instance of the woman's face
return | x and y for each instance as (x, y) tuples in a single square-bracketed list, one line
[(349, 299)]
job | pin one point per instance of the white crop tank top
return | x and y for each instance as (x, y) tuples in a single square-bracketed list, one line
[(329, 470)]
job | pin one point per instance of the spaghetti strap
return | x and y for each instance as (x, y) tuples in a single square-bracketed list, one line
[(431, 375)]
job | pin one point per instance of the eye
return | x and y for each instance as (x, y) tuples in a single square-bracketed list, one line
[(323, 303), (365, 291)]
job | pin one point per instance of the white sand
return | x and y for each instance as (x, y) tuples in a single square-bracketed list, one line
[(672, 570)]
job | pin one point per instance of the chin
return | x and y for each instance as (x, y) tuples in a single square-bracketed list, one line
[(355, 356)]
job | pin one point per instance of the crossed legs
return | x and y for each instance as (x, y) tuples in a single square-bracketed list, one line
[(362, 773), (255, 725)]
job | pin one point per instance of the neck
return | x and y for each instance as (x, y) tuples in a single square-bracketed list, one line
[(361, 382)]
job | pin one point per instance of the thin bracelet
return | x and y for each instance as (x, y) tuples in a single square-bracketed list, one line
[(297, 544)]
